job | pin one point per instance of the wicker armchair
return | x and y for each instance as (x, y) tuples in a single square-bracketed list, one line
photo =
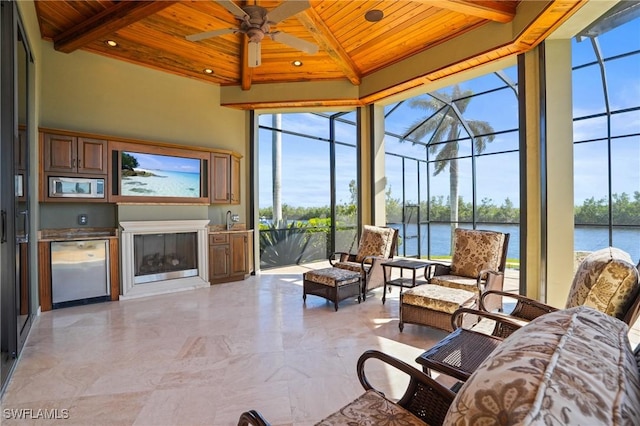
[(477, 265), (424, 400), (606, 280), (377, 244)]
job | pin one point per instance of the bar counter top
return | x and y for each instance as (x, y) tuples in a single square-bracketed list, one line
[(71, 234)]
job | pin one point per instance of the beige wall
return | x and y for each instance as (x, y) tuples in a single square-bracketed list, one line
[(87, 92)]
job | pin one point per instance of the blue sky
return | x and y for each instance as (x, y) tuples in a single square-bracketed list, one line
[(305, 173)]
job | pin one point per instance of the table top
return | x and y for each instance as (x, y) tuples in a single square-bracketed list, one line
[(408, 264), (460, 353)]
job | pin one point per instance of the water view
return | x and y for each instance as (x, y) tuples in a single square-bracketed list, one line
[(585, 239)]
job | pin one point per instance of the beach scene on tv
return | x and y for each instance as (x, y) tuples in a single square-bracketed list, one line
[(152, 175)]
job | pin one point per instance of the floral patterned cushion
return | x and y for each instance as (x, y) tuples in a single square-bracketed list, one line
[(568, 367), (437, 298), (606, 280), (476, 250), (353, 266), (375, 241), (371, 408), (332, 276), (455, 281)]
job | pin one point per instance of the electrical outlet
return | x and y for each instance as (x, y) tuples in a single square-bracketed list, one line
[(83, 219)]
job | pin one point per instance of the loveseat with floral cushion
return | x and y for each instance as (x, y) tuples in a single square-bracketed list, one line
[(569, 367)]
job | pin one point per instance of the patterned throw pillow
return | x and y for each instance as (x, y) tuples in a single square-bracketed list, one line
[(475, 251), (606, 280), (375, 241)]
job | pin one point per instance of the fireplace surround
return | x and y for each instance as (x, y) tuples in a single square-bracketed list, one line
[(159, 257)]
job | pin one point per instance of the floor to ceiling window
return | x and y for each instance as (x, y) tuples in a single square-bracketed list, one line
[(452, 160), (307, 186), (606, 113)]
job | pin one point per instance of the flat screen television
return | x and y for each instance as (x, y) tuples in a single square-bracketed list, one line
[(154, 175)]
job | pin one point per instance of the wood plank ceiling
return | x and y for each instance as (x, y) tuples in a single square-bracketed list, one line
[(152, 34)]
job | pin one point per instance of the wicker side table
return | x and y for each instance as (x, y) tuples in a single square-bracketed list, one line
[(459, 354)]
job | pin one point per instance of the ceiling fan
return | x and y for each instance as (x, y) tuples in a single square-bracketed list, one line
[(256, 21)]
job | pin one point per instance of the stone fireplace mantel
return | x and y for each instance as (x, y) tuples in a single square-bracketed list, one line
[(129, 229)]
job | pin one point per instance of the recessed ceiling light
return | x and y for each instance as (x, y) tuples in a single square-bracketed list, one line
[(296, 63), (207, 71), (374, 15), (111, 43)]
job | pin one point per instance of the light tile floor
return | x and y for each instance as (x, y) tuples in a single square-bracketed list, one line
[(204, 356)]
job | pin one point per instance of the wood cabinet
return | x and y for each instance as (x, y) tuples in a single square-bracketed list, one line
[(229, 256), (225, 178), (74, 154)]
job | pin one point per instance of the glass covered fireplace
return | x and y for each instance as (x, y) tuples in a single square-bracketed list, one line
[(163, 256), (166, 256)]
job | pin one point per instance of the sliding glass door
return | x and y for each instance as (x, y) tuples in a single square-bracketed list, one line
[(15, 280)]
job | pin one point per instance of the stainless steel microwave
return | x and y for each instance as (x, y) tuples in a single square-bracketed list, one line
[(67, 187)]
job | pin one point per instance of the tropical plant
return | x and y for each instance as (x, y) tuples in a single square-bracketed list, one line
[(443, 127), (289, 245)]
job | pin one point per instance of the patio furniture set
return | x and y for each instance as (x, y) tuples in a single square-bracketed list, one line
[(536, 365), (435, 290)]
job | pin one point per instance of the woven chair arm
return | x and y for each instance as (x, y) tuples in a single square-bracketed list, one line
[(503, 320), (424, 397), (440, 268), (252, 418), (526, 308), (340, 256)]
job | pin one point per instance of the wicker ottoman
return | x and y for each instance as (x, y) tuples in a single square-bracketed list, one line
[(333, 284), (432, 305)]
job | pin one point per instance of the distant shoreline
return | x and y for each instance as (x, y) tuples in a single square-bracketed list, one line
[(142, 173)]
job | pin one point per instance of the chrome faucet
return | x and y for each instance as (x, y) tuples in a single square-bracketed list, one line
[(229, 222)]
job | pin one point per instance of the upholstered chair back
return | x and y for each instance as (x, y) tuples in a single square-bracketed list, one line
[(375, 241), (477, 250), (606, 280)]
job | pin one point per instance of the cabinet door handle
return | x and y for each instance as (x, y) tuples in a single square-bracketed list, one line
[(73, 163)]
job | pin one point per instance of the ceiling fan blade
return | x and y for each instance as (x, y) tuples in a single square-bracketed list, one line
[(233, 8), (295, 42), (287, 9), (209, 34)]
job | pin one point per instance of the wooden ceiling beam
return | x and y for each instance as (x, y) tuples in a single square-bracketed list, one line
[(327, 42), (106, 22), (498, 11)]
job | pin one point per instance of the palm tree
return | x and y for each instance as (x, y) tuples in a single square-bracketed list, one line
[(445, 125), (276, 158)]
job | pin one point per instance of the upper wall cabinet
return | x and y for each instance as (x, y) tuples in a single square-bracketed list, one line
[(99, 168), (74, 154), (225, 178)]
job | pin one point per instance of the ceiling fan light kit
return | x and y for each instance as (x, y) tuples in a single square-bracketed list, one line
[(255, 22)]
